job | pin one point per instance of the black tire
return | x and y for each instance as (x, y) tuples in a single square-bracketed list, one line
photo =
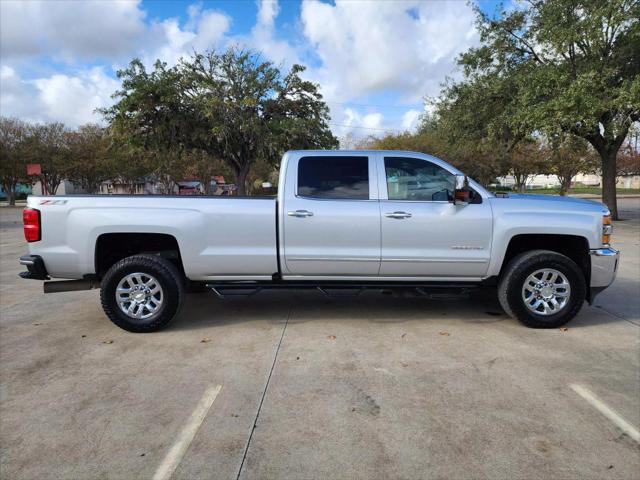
[(169, 278), (510, 288)]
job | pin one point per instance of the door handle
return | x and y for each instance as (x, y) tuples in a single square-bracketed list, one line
[(300, 213), (398, 215)]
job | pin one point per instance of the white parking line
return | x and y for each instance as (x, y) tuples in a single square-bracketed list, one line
[(599, 405), (177, 451)]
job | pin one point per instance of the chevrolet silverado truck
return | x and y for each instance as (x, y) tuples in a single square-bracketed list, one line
[(340, 220)]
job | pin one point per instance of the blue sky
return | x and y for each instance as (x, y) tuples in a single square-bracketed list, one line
[(375, 60)]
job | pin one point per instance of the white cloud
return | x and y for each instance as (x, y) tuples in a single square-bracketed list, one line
[(350, 122), (411, 119), (71, 99), (76, 31), (367, 47), (263, 36), (71, 30), (169, 40), (358, 50), (67, 29)]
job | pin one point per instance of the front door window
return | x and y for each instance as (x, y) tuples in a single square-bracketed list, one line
[(417, 180)]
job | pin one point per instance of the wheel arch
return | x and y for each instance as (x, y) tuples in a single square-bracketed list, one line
[(574, 247), (113, 247)]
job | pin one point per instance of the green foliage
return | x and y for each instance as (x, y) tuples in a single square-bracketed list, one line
[(551, 67), (14, 149), (232, 105), (49, 147), (567, 156), (90, 159)]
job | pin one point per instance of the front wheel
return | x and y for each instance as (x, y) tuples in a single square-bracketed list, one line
[(142, 293), (542, 289)]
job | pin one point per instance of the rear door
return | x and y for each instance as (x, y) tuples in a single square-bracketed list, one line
[(331, 216)]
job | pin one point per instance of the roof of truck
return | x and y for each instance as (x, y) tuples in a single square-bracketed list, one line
[(359, 152)]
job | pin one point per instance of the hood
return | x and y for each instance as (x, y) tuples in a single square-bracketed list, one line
[(553, 201)]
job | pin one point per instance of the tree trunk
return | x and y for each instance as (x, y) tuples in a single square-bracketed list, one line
[(11, 196), (565, 184), (607, 148), (609, 181), (241, 178)]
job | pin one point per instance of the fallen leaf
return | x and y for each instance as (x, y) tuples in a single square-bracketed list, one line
[(404, 364), (205, 340), (332, 337), (36, 324), (297, 358), (444, 334), (142, 454), (403, 335), (83, 336), (564, 329), (108, 341)]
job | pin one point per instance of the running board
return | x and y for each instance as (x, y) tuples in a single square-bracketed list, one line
[(347, 289), (69, 285)]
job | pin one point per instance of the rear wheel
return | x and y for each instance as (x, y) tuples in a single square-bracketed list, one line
[(542, 289), (142, 293)]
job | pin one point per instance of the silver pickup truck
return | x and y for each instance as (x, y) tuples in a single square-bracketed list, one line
[(341, 219)]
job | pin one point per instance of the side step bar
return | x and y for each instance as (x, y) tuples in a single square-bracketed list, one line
[(339, 289), (70, 285)]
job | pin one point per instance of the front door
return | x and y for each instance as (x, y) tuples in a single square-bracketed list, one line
[(423, 233), (332, 220)]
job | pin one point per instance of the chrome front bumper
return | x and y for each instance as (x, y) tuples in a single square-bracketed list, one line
[(604, 266)]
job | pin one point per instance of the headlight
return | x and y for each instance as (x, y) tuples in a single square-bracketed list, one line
[(607, 229)]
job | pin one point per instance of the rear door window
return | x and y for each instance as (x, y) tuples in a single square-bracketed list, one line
[(334, 178)]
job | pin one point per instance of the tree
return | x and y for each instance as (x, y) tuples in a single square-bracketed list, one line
[(90, 161), (131, 162), (202, 166), (574, 66), (476, 157), (233, 106), (49, 147), (629, 156), (14, 135), (526, 160), (567, 156), (474, 120)]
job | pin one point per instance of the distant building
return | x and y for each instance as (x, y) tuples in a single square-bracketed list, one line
[(587, 180), (22, 190), (66, 187)]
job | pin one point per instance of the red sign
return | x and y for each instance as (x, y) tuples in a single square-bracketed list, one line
[(34, 169)]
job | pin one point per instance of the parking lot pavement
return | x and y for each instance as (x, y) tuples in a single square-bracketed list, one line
[(375, 386)]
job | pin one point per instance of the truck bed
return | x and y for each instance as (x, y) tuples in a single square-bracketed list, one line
[(220, 238)]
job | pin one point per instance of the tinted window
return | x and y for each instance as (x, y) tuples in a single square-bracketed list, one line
[(334, 177), (415, 179)]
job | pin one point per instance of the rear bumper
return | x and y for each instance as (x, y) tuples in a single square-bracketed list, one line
[(35, 268), (604, 267)]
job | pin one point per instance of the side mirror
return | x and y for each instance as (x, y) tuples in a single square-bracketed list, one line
[(461, 194)]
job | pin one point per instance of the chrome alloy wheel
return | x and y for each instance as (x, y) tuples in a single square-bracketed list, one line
[(139, 295), (546, 291)]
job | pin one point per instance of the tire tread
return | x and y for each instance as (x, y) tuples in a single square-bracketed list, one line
[(143, 261)]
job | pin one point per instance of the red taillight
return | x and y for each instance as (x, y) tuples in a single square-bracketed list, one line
[(31, 220)]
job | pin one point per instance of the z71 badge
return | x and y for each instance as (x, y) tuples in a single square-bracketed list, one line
[(53, 202)]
